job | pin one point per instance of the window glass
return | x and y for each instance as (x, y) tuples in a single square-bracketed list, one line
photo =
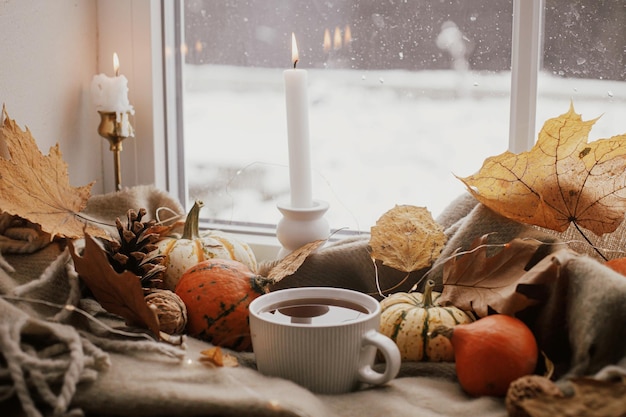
[(403, 96), (584, 61)]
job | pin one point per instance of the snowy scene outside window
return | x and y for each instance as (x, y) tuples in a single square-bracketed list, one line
[(404, 95)]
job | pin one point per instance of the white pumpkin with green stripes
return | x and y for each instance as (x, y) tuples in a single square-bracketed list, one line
[(408, 319), (193, 247)]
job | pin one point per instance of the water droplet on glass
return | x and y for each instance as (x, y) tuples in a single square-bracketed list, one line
[(381, 80), (581, 61), (363, 77), (472, 18), (401, 55), (609, 93), (475, 83)]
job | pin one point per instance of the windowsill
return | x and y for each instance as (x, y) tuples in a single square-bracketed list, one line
[(262, 237), (265, 248)]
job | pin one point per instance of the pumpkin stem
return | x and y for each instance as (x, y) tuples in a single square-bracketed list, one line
[(192, 230), (444, 331), (427, 297), (261, 284)]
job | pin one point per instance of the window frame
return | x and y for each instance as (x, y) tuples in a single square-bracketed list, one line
[(527, 32)]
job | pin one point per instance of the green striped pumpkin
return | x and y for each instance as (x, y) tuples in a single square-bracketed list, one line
[(408, 319), (186, 251)]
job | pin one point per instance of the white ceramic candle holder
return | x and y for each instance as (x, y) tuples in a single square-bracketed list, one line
[(300, 226)]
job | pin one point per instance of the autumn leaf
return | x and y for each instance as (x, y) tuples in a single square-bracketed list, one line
[(290, 263), (119, 294), (36, 187), (563, 179), (507, 282), (214, 356), (407, 238)]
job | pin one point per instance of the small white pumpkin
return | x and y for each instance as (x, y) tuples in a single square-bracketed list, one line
[(193, 247), (409, 318)]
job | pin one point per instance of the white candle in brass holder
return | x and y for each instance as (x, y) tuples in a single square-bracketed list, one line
[(110, 95), (115, 127)]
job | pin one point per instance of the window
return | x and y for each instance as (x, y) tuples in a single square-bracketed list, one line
[(403, 96)]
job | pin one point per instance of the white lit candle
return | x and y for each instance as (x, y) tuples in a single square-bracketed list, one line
[(298, 133), (525, 53), (110, 94)]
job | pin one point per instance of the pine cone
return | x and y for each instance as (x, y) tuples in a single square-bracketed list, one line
[(136, 251)]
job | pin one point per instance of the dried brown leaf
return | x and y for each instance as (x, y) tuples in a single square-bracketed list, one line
[(548, 365), (507, 282), (290, 263), (561, 180), (407, 238), (119, 294), (215, 356), (36, 187)]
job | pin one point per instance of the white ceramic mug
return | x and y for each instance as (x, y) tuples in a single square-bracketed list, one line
[(324, 339)]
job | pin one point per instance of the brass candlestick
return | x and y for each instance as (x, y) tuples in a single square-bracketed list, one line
[(115, 127)]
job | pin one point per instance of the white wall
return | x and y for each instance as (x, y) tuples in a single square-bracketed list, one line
[(49, 53), (47, 60)]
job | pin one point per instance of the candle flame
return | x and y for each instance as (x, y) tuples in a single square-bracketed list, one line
[(326, 41), (337, 39), (116, 64), (347, 35), (294, 50)]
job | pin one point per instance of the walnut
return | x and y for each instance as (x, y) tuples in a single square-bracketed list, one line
[(170, 310), (529, 386)]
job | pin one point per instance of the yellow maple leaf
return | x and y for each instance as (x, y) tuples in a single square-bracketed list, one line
[(36, 187), (407, 238), (563, 179)]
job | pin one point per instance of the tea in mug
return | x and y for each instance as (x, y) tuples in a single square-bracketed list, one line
[(314, 311)]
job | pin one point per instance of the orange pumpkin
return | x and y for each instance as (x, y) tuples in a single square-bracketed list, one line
[(617, 265), (183, 252), (492, 352), (217, 293)]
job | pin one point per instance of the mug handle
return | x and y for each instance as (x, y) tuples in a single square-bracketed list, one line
[(391, 353)]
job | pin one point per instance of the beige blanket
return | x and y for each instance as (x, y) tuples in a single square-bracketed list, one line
[(62, 356)]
